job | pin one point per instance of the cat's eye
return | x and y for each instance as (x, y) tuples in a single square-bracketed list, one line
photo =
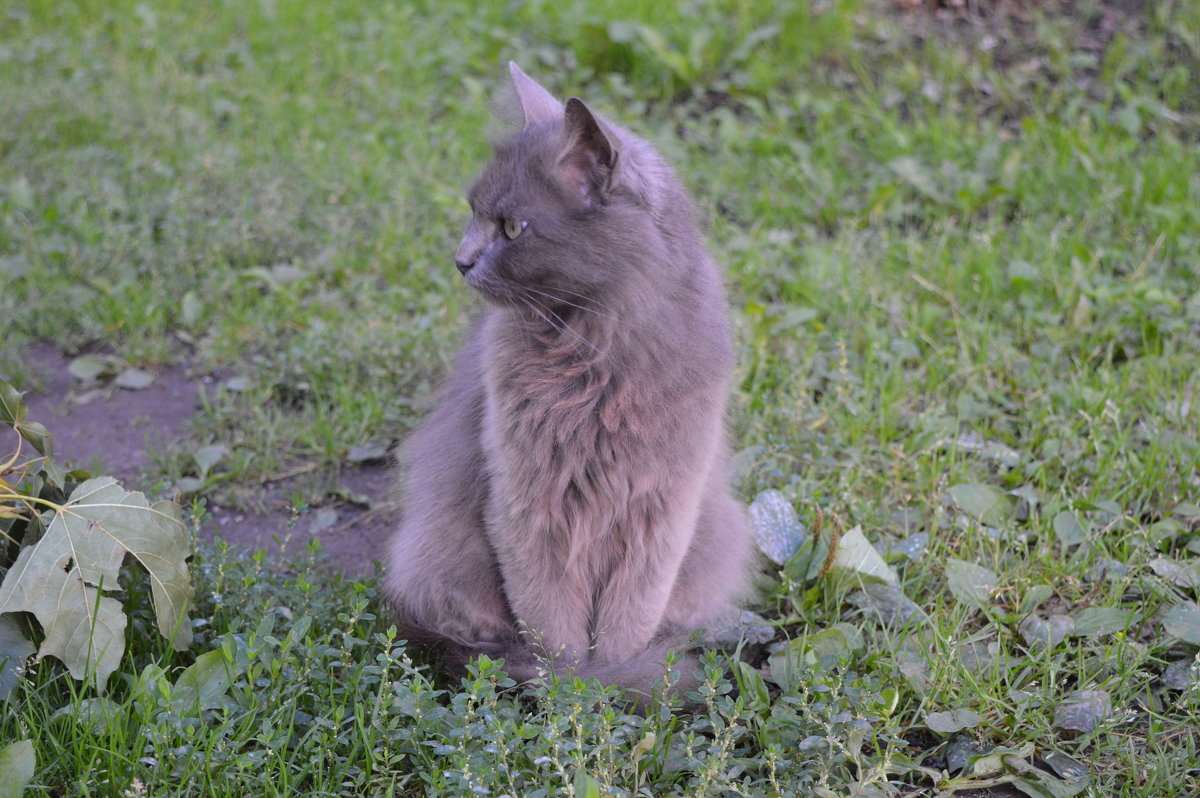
[(514, 227)]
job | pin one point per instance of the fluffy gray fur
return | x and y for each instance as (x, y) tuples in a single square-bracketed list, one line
[(568, 496)]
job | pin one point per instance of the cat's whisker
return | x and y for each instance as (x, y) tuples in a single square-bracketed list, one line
[(586, 297), (572, 304), (525, 331), (570, 329), (537, 309), (562, 327)]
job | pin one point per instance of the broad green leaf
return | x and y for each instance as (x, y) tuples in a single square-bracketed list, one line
[(777, 530), (914, 666), (1183, 621), (917, 175), (1034, 596), (855, 556), (204, 684), (585, 785), (1082, 711), (83, 629), (983, 503), (1181, 574), (190, 309), (646, 744), (752, 687), (12, 409), (14, 650), (888, 604), (952, 721), (37, 435), (93, 713), (829, 646), (970, 583), (1038, 783), (994, 760), (208, 456), (788, 663), (1068, 530), (1093, 621), (190, 484), (60, 578), (17, 765), (824, 649), (1046, 631)]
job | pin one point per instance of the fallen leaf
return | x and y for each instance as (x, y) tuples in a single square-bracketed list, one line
[(856, 557), (88, 368), (777, 530), (134, 379), (970, 583), (1082, 711), (368, 453), (952, 721), (912, 547)]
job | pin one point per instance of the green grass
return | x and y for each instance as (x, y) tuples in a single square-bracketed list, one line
[(931, 230)]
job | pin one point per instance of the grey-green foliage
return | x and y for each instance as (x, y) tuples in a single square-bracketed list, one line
[(17, 764), (72, 539)]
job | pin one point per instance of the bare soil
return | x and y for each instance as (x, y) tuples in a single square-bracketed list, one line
[(114, 431)]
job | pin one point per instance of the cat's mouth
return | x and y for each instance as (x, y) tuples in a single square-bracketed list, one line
[(490, 288)]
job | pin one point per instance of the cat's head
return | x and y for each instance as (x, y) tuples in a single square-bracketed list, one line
[(566, 208)]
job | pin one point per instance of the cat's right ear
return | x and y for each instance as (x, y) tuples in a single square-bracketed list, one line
[(589, 151), (538, 106)]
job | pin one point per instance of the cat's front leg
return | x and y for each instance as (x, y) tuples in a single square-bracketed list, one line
[(631, 601), (550, 599)]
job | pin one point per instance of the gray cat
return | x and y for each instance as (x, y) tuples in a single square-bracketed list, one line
[(568, 496)]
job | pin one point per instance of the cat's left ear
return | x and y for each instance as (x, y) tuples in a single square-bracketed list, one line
[(589, 151), (538, 106)]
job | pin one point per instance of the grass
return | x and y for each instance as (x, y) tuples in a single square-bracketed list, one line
[(941, 234)]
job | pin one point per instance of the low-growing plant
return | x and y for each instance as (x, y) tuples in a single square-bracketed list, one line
[(64, 537)]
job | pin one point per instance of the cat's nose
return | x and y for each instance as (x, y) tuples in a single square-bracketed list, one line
[(473, 243)]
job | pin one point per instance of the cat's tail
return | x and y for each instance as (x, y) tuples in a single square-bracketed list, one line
[(644, 677)]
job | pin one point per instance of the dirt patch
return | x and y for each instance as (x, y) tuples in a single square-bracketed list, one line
[(115, 431)]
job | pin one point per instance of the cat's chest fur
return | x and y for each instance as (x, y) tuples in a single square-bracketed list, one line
[(547, 399), (575, 449)]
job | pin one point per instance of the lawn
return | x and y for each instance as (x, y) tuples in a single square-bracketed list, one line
[(962, 243)]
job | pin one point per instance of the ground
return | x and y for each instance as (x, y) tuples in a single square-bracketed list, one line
[(91, 429), (960, 245)]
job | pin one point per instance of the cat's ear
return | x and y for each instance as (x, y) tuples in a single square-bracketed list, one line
[(589, 150), (537, 104)]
